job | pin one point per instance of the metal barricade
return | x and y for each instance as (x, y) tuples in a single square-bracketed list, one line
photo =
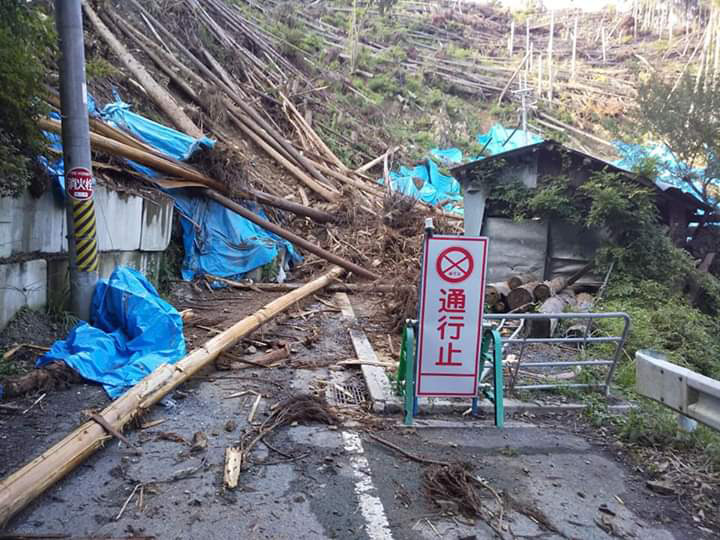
[(587, 339)]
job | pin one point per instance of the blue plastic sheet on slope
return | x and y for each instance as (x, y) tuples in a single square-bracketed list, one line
[(133, 332), (499, 139), (217, 240), (670, 170), (167, 140), (220, 242), (425, 181)]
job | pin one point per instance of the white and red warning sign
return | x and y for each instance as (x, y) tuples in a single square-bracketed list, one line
[(453, 293), (79, 184)]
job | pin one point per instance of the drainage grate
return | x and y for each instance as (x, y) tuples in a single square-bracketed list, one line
[(346, 395)]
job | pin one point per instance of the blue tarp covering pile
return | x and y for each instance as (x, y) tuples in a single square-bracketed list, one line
[(427, 183), (216, 240), (133, 332)]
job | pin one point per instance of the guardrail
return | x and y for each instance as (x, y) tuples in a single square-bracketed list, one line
[(681, 389), (587, 339)]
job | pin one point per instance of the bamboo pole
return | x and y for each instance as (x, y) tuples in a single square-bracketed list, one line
[(511, 79), (248, 127), (575, 130), (574, 50), (511, 39), (291, 237), (550, 55), (167, 166), (285, 287), (24, 485), (158, 94)]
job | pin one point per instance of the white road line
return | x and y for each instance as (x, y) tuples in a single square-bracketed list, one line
[(376, 523)]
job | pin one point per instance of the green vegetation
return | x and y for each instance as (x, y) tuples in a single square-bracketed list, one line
[(651, 276), (27, 44), (683, 115), (653, 425)]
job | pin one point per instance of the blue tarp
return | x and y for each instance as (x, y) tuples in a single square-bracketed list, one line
[(224, 243), (217, 240), (133, 332), (499, 140), (670, 170), (427, 183)]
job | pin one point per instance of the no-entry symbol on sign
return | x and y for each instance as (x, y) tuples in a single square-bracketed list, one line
[(455, 264), (451, 311)]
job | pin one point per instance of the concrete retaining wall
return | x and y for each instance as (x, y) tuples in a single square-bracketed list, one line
[(132, 231)]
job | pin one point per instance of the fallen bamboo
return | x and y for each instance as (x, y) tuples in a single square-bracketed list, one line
[(248, 119), (24, 485), (370, 164), (291, 237), (165, 165), (248, 127), (158, 94), (512, 77), (575, 130), (284, 287), (174, 168)]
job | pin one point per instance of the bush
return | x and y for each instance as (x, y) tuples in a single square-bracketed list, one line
[(663, 320), (27, 43)]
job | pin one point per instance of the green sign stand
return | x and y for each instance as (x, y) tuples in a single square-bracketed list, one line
[(405, 382)]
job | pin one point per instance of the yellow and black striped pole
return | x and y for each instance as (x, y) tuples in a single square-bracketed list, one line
[(85, 235), (79, 182)]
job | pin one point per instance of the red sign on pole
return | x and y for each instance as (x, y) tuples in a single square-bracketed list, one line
[(79, 184), (453, 292)]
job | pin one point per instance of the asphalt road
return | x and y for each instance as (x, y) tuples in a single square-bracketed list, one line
[(318, 482)]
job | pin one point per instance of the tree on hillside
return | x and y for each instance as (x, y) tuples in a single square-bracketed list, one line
[(26, 42), (684, 116)]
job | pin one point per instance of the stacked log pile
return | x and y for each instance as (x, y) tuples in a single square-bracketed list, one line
[(523, 293)]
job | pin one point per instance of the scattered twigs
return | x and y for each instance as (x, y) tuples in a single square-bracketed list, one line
[(413, 457), (38, 400), (110, 429), (127, 501)]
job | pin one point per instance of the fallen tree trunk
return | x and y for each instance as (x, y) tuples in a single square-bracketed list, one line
[(292, 237), (554, 304), (156, 92), (496, 292), (521, 296), (541, 291), (24, 485)]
